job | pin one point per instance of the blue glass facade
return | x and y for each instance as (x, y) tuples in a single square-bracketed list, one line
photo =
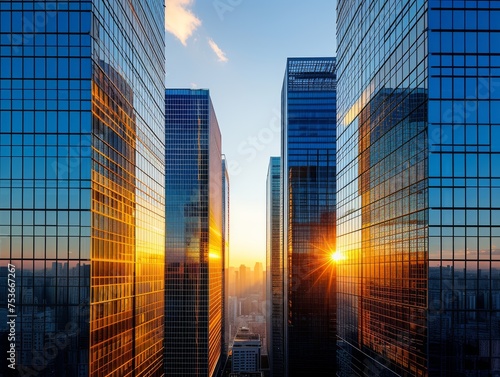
[(194, 235), (308, 181), (82, 184), (274, 271), (418, 122)]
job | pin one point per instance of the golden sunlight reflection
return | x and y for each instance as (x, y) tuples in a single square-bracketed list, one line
[(214, 256), (337, 256), (321, 266)]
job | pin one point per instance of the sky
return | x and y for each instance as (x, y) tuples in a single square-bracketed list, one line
[(238, 49)]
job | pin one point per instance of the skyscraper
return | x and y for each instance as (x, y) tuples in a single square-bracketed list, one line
[(308, 181), (82, 184), (245, 281), (419, 168), (274, 268), (258, 275), (194, 235), (225, 248)]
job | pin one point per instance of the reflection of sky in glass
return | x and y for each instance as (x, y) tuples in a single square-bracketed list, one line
[(463, 210), (194, 229), (49, 168), (308, 171), (462, 176)]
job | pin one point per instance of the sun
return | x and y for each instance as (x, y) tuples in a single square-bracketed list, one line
[(337, 256)]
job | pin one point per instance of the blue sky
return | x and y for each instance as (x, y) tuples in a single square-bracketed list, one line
[(238, 50)]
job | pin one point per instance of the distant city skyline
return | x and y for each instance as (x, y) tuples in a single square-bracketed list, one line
[(215, 45)]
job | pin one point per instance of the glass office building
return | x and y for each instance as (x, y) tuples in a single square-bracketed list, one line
[(82, 185), (274, 271), (225, 248), (194, 235), (308, 180), (418, 183)]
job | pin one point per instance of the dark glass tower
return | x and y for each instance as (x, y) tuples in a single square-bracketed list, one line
[(194, 235), (82, 184), (308, 181), (419, 171), (274, 271)]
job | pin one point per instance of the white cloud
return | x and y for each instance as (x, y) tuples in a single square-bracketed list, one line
[(220, 54), (180, 20)]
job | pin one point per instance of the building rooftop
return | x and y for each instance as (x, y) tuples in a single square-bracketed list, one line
[(245, 334), (246, 374), (306, 74)]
